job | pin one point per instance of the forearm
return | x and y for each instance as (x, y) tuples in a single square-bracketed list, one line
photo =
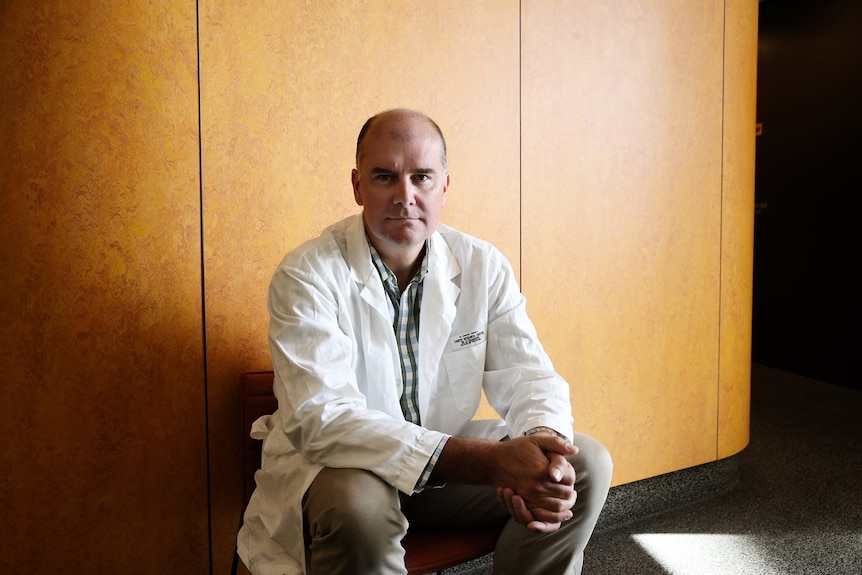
[(523, 464), (466, 460)]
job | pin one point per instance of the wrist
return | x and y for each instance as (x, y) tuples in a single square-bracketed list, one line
[(543, 429)]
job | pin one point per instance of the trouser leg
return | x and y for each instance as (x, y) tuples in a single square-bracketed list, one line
[(454, 506), (521, 551), (353, 525)]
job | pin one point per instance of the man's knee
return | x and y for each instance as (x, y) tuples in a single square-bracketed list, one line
[(354, 504), (593, 462), (591, 453)]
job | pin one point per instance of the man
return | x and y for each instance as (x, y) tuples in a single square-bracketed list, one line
[(384, 332)]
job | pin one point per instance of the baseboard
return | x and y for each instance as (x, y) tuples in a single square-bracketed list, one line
[(641, 499)]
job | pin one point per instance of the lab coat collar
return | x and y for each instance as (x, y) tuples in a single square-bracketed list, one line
[(443, 270), (358, 256)]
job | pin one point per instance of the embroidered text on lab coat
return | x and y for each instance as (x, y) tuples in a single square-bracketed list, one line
[(468, 339)]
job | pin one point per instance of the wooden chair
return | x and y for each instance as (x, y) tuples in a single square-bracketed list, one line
[(427, 551)]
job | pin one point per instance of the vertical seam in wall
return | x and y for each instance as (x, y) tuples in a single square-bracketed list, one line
[(203, 292), (721, 225), (520, 146)]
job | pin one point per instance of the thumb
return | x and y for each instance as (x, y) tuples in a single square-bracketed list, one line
[(556, 473), (559, 445), (558, 467)]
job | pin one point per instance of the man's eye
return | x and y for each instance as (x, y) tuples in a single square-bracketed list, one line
[(422, 177), (383, 177)]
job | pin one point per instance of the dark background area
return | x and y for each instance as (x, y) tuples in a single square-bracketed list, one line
[(807, 186)]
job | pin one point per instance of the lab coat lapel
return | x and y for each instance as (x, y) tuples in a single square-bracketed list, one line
[(364, 274), (375, 324), (440, 292)]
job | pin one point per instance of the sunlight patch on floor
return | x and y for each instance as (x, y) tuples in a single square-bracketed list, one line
[(699, 554)]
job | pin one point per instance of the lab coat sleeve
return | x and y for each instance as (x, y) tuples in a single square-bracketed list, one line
[(520, 381), (325, 415)]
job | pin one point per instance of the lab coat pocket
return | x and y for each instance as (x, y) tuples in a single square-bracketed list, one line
[(465, 368)]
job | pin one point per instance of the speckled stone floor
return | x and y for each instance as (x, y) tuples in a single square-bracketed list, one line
[(789, 504)]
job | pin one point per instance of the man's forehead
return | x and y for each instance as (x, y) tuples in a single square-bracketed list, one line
[(392, 168), (398, 132), (402, 129), (419, 151)]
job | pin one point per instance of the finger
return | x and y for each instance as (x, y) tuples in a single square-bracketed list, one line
[(550, 515), (505, 497), (542, 527), (520, 511), (555, 508), (551, 495)]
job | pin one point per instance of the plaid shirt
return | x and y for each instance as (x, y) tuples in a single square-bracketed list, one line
[(404, 310)]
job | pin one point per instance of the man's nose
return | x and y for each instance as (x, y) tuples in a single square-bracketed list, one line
[(405, 195)]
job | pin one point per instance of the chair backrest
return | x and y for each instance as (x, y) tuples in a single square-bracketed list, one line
[(256, 399)]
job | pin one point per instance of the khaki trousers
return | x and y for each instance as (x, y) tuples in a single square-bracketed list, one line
[(354, 521)]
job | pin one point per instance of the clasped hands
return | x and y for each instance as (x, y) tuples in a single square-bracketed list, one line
[(536, 483)]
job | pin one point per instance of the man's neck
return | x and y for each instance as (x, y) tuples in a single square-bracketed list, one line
[(403, 264), (404, 267)]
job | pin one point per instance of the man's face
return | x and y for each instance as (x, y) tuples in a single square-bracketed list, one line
[(401, 185)]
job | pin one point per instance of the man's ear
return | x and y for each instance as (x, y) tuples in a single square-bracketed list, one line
[(446, 189), (354, 181)]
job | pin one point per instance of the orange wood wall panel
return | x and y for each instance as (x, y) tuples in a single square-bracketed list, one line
[(285, 87), (634, 215), (737, 238), (621, 149), (103, 456)]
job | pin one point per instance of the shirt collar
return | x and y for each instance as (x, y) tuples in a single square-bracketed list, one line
[(388, 276)]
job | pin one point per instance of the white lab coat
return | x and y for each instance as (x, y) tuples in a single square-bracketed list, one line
[(338, 375)]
